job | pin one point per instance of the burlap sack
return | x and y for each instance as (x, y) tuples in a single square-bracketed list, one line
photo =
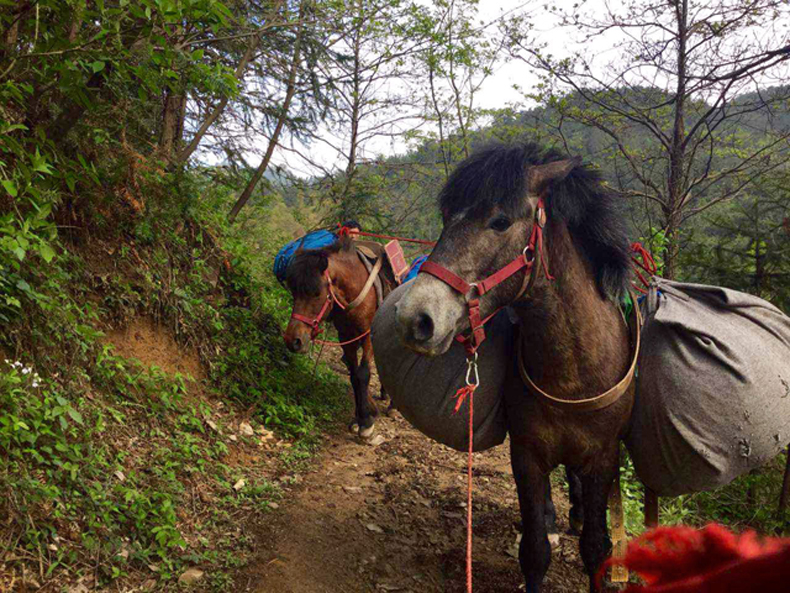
[(713, 387), (423, 388)]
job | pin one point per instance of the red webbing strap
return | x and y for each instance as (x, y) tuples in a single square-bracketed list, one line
[(346, 343), (476, 323), (346, 231), (501, 275), (315, 323), (446, 276)]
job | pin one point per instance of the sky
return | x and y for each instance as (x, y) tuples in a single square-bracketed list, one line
[(498, 90)]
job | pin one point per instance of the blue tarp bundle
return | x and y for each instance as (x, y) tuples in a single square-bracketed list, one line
[(314, 240), (415, 268)]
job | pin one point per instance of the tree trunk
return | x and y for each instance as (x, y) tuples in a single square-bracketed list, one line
[(677, 155), (184, 155), (671, 246), (73, 111), (289, 93), (76, 23), (356, 99), (170, 122)]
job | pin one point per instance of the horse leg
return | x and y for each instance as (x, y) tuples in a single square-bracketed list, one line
[(549, 510), (576, 514), (534, 552), (651, 508), (595, 543), (366, 408), (350, 360)]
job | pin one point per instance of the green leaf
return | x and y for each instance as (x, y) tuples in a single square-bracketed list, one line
[(75, 415), (197, 54), (10, 187), (46, 252)]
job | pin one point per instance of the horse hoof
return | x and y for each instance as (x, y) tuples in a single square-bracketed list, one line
[(576, 526), (366, 433), (353, 428)]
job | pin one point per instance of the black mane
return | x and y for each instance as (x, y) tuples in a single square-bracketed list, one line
[(496, 175), (303, 277)]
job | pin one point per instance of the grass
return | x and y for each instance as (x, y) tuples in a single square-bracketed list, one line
[(112, 472)]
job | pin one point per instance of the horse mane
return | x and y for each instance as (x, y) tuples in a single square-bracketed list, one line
[(303, 277), (496, 175)]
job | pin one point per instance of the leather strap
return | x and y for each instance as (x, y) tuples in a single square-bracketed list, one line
[(502, 274), (598, 402), (315, 323), (446, 276), (368, 285), (527, 263)]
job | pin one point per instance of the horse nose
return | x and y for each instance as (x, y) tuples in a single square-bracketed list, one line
[(423, 327), (297, 344)]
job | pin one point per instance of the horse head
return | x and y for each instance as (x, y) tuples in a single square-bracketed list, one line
[(490, 250), (313, 277)]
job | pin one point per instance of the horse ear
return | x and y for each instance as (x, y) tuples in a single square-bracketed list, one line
[(323, 262), (541, 176)]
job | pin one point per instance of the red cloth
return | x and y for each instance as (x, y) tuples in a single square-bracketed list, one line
[(710, 560)]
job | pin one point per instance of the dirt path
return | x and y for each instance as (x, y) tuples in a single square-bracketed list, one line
[(392, 518)]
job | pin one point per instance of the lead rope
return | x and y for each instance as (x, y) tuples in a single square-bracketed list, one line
[(472, 382)]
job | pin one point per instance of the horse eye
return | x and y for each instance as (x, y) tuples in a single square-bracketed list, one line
[(500, 223)]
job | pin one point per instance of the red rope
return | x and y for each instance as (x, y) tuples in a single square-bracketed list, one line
[(648, 264), (461, 395), (344, 230), (346, 343)]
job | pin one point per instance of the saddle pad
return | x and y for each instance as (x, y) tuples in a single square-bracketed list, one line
[(397, 259)]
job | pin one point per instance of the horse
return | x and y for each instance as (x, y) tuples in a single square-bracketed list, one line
[(329, 283), (515, 215)]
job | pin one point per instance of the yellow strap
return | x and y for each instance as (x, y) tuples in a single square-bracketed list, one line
[(619, 537)]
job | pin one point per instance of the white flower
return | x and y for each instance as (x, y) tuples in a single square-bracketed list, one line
[(26, 371)]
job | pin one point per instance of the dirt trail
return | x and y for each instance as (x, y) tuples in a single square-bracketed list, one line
[(392, 518)]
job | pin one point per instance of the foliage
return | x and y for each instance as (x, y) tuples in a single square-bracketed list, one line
[(96, 451)]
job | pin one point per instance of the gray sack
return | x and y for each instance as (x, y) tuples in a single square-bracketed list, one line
[(423, 388), (713, 387)]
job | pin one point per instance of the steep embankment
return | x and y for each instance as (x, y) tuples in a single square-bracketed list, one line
[(150, 416)]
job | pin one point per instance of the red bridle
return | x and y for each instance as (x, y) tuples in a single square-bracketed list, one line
[(525, 261), (315, 322)]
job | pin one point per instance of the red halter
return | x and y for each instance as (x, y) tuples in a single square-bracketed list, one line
[(315, 323), (525, 261)]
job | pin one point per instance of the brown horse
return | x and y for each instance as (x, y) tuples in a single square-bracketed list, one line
[(574, 343), (323, 283)]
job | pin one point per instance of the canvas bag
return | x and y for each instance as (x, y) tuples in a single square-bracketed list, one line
[(713, 387), (423, 388)]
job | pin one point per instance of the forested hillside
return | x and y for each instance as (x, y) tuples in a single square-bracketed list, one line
[(155, 155), (741, 243)]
